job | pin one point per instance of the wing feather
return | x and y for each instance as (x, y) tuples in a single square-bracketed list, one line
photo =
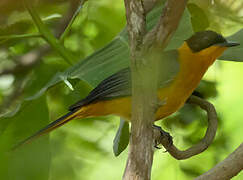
[(119, 84)]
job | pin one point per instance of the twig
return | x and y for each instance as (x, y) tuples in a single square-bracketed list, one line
[(228, 168), (48, 36), (18, 36), (68, 28), (59, 30), (204, 143)]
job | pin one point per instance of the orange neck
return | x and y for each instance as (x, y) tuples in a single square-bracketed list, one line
[(208, 55)]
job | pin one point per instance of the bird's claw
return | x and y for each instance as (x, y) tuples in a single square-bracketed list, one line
[(165, 138)]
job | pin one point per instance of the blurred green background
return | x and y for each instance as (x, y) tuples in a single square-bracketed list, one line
[(37, 85)]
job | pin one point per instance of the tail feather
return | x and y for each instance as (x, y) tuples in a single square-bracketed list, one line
[(50, 127)]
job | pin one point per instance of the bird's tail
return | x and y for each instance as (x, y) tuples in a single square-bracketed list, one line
[(50, 127)]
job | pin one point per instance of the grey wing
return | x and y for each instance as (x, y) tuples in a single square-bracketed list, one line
[(116, 85), (119, 84), (168, 68)]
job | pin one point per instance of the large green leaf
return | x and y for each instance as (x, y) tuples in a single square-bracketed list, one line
[(115, 55), (31, 161), (234, 53)]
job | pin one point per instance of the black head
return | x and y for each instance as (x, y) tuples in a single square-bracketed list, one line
[(204, 39)]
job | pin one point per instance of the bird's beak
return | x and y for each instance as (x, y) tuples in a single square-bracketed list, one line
[(228, 44)]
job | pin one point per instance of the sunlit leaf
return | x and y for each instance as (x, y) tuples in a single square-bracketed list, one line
[(198, 18), (122, 138), (207, 89)]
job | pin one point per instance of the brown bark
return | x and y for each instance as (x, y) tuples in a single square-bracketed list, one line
[(228, 168), (144, 83)]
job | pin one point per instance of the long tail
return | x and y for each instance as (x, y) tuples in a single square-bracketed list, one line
[(50, 127)]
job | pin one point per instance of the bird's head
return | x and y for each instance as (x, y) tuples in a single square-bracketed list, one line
[(208, 43)]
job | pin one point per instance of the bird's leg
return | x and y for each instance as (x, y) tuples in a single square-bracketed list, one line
[(162, 137), (158, 103)]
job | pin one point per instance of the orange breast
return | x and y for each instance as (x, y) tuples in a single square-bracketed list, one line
[(192, 68), (181, 88)]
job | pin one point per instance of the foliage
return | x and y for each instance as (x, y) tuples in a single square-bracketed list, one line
[(31, 95)]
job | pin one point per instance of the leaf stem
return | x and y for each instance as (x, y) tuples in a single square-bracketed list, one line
[(48, 36), (18, 36), (68, 28)]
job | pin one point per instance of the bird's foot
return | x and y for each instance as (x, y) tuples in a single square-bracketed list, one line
[(162, 137)]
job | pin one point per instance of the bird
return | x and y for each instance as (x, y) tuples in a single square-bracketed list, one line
[(180, 71)]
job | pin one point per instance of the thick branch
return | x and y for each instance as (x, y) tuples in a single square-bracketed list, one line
[(149, 4), (164, 139), (226, 169), (136, 24), (144, 89), (140, 158), (160, 35)]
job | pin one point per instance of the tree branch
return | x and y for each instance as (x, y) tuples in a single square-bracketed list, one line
[(144, 83), (136, 24), (164, 138), (149, 5), (226, 169), (160, 35), (140, 158)]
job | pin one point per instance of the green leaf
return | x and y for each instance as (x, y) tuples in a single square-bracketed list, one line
[(16, 17), (199, 19), (47, 34), (68, 28), (234, 53), (122, 138), (31, 161), (115, 55), (207, 89)]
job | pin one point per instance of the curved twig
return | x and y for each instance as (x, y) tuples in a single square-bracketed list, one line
[(165, 140)]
